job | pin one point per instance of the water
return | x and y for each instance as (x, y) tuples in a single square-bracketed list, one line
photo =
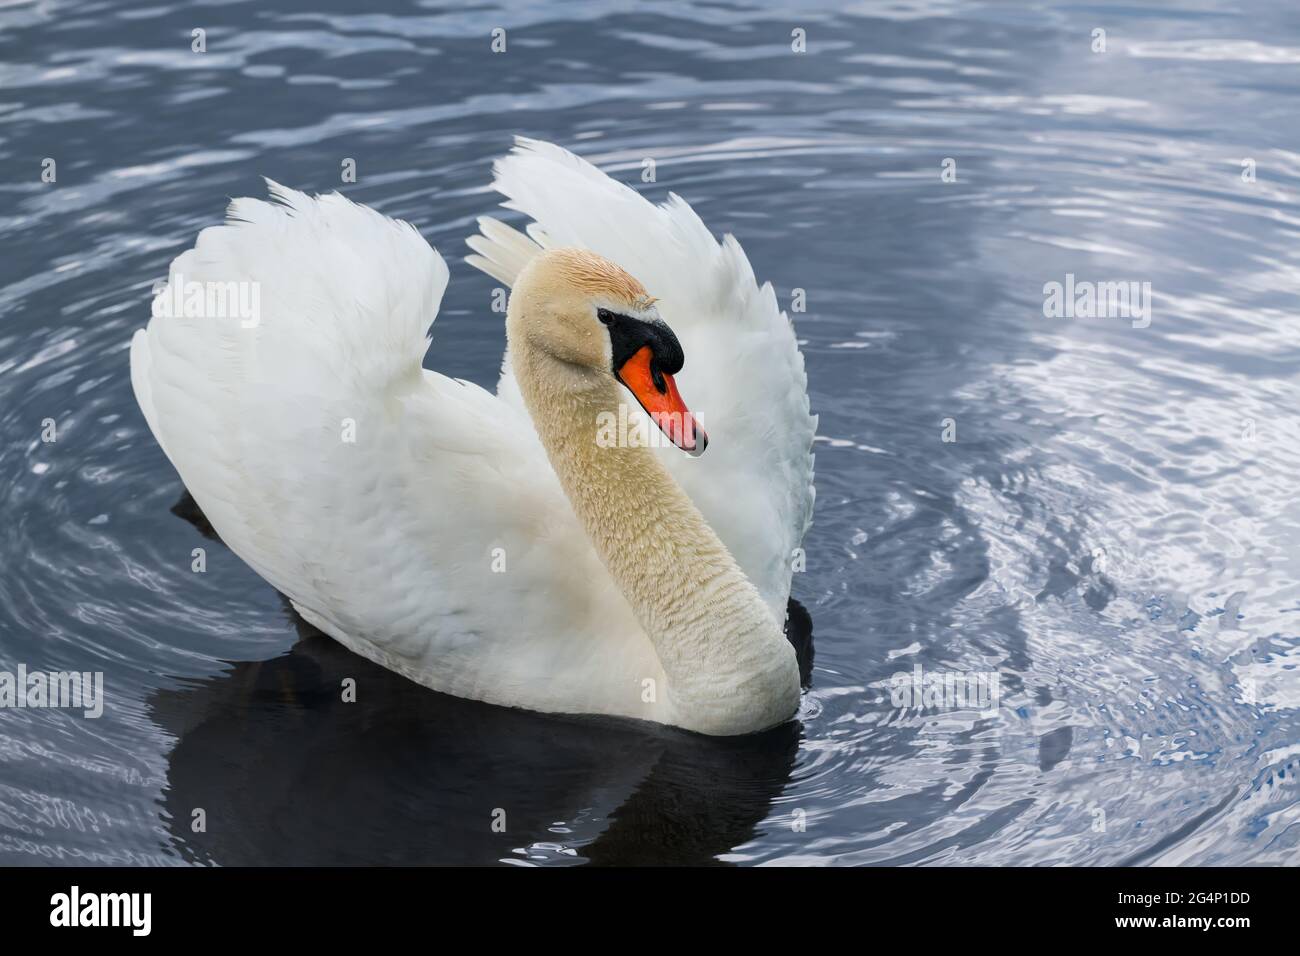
[(1114, 531)]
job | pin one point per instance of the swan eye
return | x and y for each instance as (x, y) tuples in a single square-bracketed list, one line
[(605, 316)]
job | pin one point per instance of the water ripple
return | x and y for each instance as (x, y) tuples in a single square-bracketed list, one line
[(1101, 515)]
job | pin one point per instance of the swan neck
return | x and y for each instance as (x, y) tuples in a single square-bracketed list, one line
[(727, 662)]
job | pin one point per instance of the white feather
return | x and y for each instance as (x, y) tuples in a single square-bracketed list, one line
[(744, 375), (388, 543), (415, 518)]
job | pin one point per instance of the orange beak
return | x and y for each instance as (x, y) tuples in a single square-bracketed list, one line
[(658, 395)]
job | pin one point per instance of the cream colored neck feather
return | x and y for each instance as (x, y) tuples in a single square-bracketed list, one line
[(729, 667)]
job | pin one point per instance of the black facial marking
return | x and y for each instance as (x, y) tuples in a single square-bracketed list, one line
[(627, 336)]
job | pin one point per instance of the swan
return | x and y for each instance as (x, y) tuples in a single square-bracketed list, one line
[(532, 548)]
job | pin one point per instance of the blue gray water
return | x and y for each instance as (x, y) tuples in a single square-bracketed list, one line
[(1114, 531)]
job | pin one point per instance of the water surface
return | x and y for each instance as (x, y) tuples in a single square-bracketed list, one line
[(1114, 531)]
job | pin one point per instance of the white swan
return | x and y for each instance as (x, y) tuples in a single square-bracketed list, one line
[(501, 547)]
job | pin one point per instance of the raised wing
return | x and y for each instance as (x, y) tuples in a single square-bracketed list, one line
[(744, 374), (411, 516)]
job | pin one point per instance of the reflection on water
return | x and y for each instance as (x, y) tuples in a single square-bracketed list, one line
[(274, 753), (1101, 515), (273, 758)]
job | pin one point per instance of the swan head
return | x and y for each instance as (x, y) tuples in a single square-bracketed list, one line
[(600, 324)]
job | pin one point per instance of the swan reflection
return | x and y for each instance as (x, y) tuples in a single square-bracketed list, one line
[(285, 771)]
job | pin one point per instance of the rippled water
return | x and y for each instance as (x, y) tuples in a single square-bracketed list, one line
[(1114, 532)]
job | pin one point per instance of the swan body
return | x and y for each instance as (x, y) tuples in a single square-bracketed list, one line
[(490, 546)]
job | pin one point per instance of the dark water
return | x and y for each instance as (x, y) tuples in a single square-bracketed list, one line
[(1114, 532)]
